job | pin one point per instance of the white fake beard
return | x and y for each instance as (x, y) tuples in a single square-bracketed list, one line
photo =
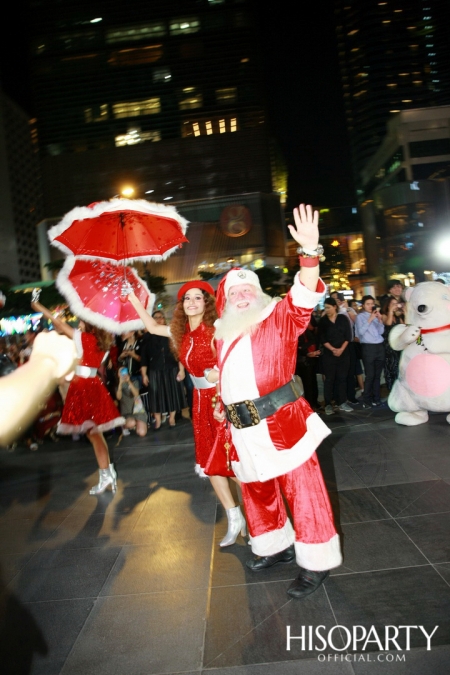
[(234, 322)]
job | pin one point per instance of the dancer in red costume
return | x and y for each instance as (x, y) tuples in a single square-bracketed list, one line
[(192, 334), (88, 407), (274, 430)]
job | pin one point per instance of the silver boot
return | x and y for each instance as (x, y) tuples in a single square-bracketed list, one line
[(236, 524), (107, 477)]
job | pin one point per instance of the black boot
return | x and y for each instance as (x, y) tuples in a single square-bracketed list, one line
[(260, 563), (306, 583)]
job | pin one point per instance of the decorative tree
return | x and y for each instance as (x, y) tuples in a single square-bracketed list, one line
[(334, 268)]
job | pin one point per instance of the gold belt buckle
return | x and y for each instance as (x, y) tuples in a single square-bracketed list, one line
[(236, 420), (253, 410)]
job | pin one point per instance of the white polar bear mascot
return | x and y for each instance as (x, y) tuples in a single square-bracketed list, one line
[(424, 373)]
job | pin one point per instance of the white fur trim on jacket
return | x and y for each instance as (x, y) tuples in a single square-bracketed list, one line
[(117, 204), (261, 461), (273, 542), (319, 557), (65, 287)]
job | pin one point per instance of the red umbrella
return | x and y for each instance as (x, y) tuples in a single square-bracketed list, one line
[(96, 293), (120, 230)]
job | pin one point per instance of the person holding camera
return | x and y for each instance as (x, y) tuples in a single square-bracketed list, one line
[(130, 404), (391, 315), (369, 330)]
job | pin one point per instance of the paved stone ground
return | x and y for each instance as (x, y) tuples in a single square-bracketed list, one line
[(135, 584)]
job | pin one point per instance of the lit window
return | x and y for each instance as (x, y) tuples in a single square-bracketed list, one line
[(136, 32), (162, 74), (216, 2), (135, 136), (137, 56), (207, 127), (353, 32), (190, 98), (97, 113), (184, 26), (227, 95), (149, 106)]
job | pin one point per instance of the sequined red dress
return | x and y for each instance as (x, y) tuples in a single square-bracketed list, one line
[(88, 406), (196, 355)]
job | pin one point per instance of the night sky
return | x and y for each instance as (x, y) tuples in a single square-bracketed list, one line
[(303, 88)]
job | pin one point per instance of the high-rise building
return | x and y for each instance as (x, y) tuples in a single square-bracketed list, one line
[(164, 94), (20, 194), (394, 55)]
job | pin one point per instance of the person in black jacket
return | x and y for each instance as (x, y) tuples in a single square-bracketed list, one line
[(308, 353), (159, 370), (335, 335)]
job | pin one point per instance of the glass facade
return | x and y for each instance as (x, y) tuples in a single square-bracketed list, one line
[(393, 57)]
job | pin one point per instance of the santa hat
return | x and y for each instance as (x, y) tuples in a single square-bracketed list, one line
[(237, 275)]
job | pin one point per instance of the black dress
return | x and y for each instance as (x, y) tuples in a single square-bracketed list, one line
[(165, 393)]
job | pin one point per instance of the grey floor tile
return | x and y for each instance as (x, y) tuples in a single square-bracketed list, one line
[(415, 662), (416, 596), (10, 565), (35, 639), (444, 570), (248, 624), (26, 536), (356, 506), (93, 530), (411, 499), (377, 545), (173, 514), (171, 565), (298, 667), (431, 534), (388, 472), (64, 574), (141, 634)]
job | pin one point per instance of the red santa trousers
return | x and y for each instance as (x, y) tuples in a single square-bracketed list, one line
[(316, 541)]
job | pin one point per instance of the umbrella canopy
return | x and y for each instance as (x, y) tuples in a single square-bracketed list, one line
[(94, 291), (121, 230)]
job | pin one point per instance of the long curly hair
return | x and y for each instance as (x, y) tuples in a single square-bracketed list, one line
[(179, 323), (104, 339)]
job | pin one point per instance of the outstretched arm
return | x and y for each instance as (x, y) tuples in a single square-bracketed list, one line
[(25, 390), (306, 234), (61, 326), (149, 322)]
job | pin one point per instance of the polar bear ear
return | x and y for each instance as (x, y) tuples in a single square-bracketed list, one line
[(407, 293)]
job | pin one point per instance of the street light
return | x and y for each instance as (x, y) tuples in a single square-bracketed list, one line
[(443, 248), (127, 191)]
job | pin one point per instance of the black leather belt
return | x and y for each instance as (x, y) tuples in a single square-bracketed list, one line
[(249, 413)]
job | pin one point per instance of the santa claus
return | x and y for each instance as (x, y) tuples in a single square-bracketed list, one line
[(274, 429)]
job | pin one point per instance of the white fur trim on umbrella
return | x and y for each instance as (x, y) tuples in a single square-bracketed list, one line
[(66, 288), (117, 204)]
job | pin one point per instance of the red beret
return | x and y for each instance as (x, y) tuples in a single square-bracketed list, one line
[(203, 285)]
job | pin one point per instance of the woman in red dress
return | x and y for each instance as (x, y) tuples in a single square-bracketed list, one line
[(192, 335), (88, 407)]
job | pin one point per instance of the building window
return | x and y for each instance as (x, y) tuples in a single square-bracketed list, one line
[(190, 98), (81, 40), (98, 113), (184, 26), (162, 74), (135, 57), (136, 32), (149, 106), (135, 135), (226, 95), (209, 126)]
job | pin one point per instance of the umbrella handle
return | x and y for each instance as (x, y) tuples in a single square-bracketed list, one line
[(125, 291)]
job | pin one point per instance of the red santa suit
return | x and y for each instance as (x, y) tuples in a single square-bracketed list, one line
[(88, 405), (278, 455)]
